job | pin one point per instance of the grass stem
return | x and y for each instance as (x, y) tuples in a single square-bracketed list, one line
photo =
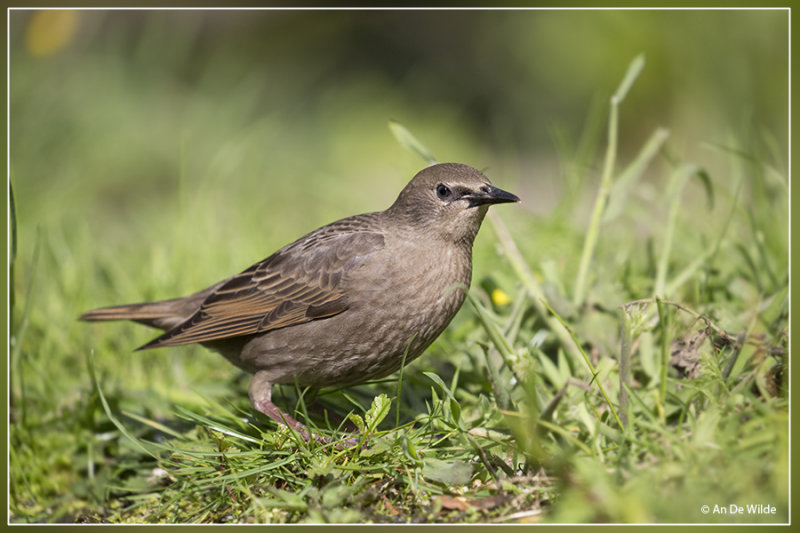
[(591, 368), (525, 275), (606, 181)]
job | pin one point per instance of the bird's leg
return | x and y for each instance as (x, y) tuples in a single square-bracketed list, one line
[(260, 392), (261, 396)]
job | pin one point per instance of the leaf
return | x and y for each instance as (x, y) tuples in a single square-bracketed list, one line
[(284, 500), (494, 333), (358, 421), (455, 407), (408, 448), (647, 354), (706, 427), (550, 370), (436, 379), (455, 410), (378, 411), (449, 473)]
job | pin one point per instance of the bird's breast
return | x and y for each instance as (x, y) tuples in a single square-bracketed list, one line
[(411, 292), (399, 300), (421, 275)]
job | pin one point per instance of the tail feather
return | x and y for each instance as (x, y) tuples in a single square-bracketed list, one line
[(140, 311), (164, 314)]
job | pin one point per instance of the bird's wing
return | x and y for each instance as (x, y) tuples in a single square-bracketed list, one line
[(297, 284)]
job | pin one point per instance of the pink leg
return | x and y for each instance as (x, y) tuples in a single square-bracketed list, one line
[(261, 396)]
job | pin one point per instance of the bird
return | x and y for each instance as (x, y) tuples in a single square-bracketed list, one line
[(344, 304)]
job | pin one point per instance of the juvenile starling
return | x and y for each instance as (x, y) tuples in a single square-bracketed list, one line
[(341, 305)]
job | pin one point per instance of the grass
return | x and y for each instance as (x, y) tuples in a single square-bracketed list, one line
[(652, 384)]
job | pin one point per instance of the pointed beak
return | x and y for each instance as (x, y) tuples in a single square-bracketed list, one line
[(489, 194)]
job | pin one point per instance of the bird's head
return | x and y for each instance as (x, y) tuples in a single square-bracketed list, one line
[(448, 200)]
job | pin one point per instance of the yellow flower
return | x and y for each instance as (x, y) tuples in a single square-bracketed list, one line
[(500, 298)]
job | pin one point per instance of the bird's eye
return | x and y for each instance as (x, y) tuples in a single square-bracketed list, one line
[(443, 192)]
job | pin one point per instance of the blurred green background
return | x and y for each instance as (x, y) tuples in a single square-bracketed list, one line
[(140, 110), (156, 152)]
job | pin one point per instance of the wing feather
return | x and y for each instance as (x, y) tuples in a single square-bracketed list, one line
[(297, 284)]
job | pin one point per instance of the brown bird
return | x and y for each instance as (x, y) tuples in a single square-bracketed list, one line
[(341, 305)]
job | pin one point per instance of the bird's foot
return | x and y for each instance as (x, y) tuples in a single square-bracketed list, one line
[(279, 415)]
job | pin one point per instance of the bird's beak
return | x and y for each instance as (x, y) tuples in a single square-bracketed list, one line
[(489, 194)]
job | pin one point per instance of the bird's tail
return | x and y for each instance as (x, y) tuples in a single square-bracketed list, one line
[(146, 311), (164, 314)]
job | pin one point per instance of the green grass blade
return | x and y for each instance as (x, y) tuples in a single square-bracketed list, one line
[(525, 275), (400, 382), (186, 414), (18, 336), (634, 69), (632, 173), (677, 182), (626, 339), (606, 179), (665, 352), (495, 336), (410, 141), (153, 424), (107, 408), (590, 366), (12, 216)]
